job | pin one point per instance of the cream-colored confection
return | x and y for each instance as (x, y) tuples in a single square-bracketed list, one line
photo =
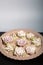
[(21, 33), (31, 49), (9, 47), (37, 41), (7, 38), (30, 35), (19, 51), (21, 42)]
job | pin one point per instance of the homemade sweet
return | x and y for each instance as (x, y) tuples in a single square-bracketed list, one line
[(21, 44)]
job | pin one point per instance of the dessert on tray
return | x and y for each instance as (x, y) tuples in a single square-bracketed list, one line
[(21, 44)]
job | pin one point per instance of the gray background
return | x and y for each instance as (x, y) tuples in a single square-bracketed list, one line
[(16, 14)]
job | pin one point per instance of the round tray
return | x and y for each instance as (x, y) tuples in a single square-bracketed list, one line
[(21, 58)]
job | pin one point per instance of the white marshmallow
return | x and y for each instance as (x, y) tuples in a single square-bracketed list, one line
[(21, 33), (9, 47), (37, 41), (19, 50), (30, 49), (30, 35)]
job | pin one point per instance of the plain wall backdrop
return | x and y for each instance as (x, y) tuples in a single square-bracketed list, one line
[(16, 14)]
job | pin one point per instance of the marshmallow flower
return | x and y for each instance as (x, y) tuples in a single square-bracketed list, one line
[(7, 38), (19, 51), (9, 47), (31, 49), (37, 41), (30, 35), (21, 42), (21, 33)]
